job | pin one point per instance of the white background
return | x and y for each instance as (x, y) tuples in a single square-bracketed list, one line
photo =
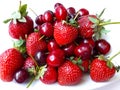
[(40, 6)]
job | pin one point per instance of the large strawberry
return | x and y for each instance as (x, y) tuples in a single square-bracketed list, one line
[(69, 74), (102, 69), (64, 33), (10, 61), (20, 23), (35, 43)]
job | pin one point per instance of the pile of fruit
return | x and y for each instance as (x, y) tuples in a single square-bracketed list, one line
[(60, 47)]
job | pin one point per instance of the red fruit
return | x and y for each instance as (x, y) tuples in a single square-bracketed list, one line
[(50, 76), (60, 12), (10, 61), (64, 33), (83, 12), (85, 64), (55, 58), (29, 63), (35, 43), (39, 20), (69, 74), (102, 46), (100, 71), (86, 29), (20, 29)]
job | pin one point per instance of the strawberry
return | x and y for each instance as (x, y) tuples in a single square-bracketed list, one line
[(50, 75), (64, 33), (102, 69), (86, 30), (20, 23), (10, 61), (69, 74), (35, 43)]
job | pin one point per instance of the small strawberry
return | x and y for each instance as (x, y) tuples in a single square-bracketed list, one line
[(93, 26), (64, 33), (35, 43), (69, 74), (20, 23), (102, 69), (10, 61), (50, 75)]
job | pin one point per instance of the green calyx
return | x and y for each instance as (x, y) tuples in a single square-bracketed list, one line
[(18, 15), (20, 45), (98, 25)]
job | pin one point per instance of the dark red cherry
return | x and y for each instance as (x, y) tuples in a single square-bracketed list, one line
[(60, 13), (102, 46), (39, 20), (55, 58), (21, 76), (71, 11), (48, 16), (83, 12), (46, 29), (69, 49), (52, 45), (57, 5), (40, 57), (83, 51)]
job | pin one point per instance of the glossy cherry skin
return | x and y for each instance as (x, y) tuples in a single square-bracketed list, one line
[(83, 51), (56, 58), (69, 49), (102, 46), (39, 20), (52, 45), (21, 76), (46, 29), (57, 5), (60, 13), (83, 12), (48, 16)]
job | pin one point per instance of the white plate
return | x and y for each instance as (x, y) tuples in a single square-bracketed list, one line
[(39, 6)]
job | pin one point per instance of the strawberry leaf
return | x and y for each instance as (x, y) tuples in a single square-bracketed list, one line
[(23, 10), (22, 19), (104, 31), (16, 15), (73, 22), (110, 64), (93, 20), (7, 20)]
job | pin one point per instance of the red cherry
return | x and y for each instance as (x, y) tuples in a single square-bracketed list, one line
[(102, 46), (48, 16), (69, 49), (56, 58), (83, 12), (60, 13), (57, 5), (52, 45), (46, 29), (83, 51), (39, 20)]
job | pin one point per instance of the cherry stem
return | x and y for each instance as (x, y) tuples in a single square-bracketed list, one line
[(33, 11), (30, 82), (114, 56), (107, 23), (76, 15)]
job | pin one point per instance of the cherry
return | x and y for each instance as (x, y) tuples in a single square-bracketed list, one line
[(48, 16), (102, 46), (83, 12), (39, 20), (57, 5), (60, 13), (55, 58), (40, 57), (83, 51), (21, 76), (52, 45), (46, 29), (69, 49)]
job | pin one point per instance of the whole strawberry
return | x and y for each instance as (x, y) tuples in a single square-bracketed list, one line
[(20, 23), (64, 33), (35, 43), (69, 74), (10, 61), (102, 69)]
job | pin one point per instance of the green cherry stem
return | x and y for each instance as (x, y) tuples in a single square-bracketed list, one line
[(114, 56), (33, 78), (107, 23)]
